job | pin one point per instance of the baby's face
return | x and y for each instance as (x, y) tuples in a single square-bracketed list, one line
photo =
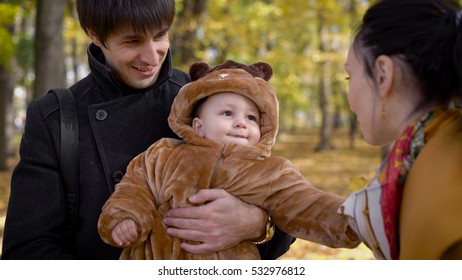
[(229, 118)]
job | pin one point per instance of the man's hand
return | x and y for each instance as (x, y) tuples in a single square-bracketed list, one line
[(220, 222), (125, 232)]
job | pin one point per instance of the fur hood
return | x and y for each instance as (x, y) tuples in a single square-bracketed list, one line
[(250, 81)]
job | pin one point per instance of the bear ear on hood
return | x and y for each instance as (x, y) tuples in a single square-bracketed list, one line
[(198, 70), (260, 69), (264, 70)]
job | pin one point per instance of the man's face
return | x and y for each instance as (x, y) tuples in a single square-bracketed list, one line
[(135, 58)]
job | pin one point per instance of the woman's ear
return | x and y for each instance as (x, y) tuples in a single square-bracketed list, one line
[(94, 38), (384, 69), (197, 126)]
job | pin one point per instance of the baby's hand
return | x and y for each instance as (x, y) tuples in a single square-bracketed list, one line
[(125, 232)]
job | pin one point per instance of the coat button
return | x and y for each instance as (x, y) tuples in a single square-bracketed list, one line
[(118, 176), (101, 115)]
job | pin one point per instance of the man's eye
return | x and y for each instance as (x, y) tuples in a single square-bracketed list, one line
[(161, 35), (132, 42)]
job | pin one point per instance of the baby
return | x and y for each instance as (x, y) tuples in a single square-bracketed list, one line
[(227, 118)]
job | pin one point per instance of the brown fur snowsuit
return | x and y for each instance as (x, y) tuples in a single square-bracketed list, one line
[(171, 170)]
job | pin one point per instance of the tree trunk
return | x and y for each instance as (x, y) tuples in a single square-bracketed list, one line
[(325, 92), (74, 45), (49, 51), (7, 82), (188, 22), (6, 115)]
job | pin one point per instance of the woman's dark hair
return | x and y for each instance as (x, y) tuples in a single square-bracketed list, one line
[(107, 16), (425, 34)]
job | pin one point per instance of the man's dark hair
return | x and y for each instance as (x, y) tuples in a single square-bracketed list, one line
[(106, 16)]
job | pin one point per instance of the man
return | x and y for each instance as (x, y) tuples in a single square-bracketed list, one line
[(123, 105)]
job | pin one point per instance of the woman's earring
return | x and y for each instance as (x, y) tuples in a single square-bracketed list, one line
[(383, 114)]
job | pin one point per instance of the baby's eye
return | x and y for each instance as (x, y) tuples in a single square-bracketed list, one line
[(252, 118), (227, 113)]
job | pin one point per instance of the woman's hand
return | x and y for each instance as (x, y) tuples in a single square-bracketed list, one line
[(219, 222)]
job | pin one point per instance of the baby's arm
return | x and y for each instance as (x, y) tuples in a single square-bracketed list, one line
[(136, 197), (132, 200), (306, 212), (125, 232)]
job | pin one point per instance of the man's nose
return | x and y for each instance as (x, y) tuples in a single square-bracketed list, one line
[(150, 53)]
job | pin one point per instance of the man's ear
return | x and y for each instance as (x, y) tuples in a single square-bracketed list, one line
[(94, 38), (197, 126), (385, 71)]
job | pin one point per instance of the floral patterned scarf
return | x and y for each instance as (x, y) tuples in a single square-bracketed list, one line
[(395, 168)]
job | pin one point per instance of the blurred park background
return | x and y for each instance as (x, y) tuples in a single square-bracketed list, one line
[(42, 46)]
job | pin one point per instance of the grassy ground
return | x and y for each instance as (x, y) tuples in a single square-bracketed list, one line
[(329, 171)]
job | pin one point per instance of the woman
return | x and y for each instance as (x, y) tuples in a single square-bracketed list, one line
[(405, 73)]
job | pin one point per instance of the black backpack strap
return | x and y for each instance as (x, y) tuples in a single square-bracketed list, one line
[(69, 157)]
